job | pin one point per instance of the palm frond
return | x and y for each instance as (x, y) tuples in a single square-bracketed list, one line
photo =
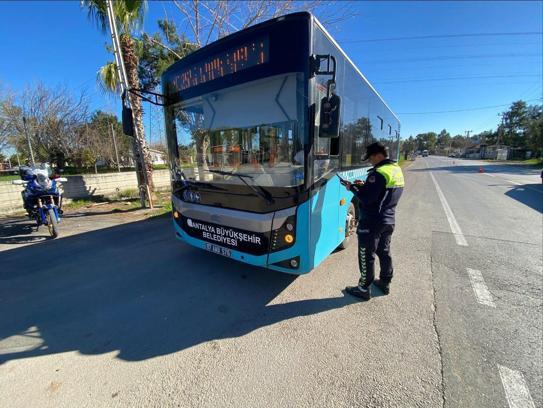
[(128, 13), (108, 79), (97, 13)]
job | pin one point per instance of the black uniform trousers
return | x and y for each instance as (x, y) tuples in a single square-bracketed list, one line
[(374, 239)]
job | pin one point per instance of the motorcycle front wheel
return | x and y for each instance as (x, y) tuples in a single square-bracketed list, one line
[(52, 224)]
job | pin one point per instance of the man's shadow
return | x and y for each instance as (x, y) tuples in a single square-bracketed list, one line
[(136, 290)]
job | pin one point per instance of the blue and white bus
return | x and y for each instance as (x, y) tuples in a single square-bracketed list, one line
[(258, 125)]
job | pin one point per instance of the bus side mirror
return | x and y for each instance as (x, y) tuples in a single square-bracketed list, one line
[(128, 121), (329, 116)]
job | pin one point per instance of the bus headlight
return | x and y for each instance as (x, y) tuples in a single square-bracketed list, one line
[(175, 215), (284, 236)]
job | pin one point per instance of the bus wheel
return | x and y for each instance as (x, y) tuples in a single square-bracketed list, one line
[(350, 227)]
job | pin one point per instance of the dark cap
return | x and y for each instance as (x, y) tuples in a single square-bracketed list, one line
[(375, 148)]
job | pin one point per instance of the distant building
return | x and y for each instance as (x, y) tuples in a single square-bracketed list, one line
[(473, 152), (157, 156)]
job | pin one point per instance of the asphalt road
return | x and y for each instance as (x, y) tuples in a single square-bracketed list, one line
[(127, 316), (498, 209)]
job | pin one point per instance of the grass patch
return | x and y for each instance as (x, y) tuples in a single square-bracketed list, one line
[(160, 167), (77, 203), (9, 177), (404, 162), (128, 193), (536, 162), (162, 203)]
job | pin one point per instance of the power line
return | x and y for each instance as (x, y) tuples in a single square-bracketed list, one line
[(502, 44), (454, 57), (527, 92), (456, 78), (428, 37), (463, 110)]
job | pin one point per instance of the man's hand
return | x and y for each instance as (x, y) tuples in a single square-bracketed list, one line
[(360, 182), (345, 183)]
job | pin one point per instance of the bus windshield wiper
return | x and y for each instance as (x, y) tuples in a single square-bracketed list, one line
[(261, 191)]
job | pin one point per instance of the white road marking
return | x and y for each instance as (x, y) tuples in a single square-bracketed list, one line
[(516, 391), (455, 228), (514, 182), (479, 287)]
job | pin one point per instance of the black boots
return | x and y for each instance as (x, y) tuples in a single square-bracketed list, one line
[(359, 292), (383, 285)]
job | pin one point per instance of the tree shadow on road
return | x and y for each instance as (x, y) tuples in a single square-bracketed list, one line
[(134, 289), (528, 194), (21, 231)]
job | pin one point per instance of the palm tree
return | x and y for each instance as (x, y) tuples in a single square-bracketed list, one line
[(129, 15)]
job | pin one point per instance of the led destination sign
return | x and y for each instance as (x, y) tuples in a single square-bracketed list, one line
[(228, 62)]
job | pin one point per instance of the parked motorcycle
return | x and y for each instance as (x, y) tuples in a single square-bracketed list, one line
[(42, 197)]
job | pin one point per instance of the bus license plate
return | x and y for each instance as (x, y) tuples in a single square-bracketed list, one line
[(218, 250)]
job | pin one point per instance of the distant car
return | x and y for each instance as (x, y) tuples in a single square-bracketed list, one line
[(452, 155), (425, 153)]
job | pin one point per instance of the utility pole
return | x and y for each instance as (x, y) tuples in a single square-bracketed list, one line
[(121, 72), (500, 129), (32, 162), (115, 146), (150, 131)]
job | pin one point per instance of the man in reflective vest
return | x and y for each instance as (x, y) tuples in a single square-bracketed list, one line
[(377, 198)]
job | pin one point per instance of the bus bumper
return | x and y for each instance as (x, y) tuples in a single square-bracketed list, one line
[(273, 261)]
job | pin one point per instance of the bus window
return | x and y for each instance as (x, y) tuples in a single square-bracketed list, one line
[(243, 130)]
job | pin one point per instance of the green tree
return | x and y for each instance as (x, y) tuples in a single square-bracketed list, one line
[(426, 141), (409, 145), (534, 129), (129, 15), (443, 139), (515, 122)]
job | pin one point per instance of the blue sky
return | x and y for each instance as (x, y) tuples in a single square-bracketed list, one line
[(54, 42)]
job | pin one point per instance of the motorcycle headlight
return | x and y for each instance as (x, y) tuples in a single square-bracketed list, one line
[(44, 182)]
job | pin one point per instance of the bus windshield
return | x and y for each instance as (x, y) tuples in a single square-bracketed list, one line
[(251, 130)]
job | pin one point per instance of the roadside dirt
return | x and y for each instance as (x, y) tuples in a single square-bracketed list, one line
[(17, 230)]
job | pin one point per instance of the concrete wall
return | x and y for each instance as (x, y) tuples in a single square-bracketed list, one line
[(84, 186)]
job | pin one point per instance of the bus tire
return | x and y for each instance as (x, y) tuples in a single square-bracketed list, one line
[(351, 222)]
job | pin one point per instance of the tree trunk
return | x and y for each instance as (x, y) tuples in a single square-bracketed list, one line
[(202, 146), (140, 146)]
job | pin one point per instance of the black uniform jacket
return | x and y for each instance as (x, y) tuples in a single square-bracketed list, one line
[(380, 194)]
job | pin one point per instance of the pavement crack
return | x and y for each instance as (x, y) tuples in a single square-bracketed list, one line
[(436, 331)]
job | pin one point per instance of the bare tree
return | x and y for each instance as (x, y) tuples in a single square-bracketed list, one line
[(7, 108), (209, 20), (54, 118)]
